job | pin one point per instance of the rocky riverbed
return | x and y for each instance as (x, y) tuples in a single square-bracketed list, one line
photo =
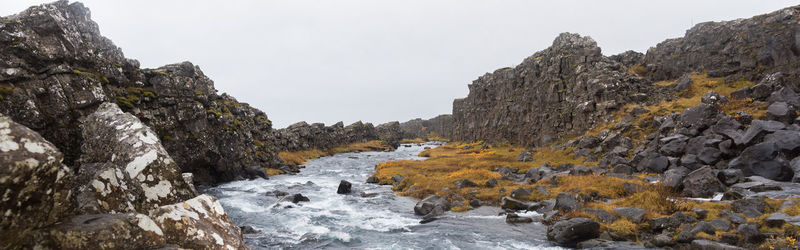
[(370, 216)]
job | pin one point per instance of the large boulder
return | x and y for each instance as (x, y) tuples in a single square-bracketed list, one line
[(36, 185), (106, 188), (103, 231), (427, 205), (111, 135), (765, 160), (570, 232), (702, 182), (200, 222)]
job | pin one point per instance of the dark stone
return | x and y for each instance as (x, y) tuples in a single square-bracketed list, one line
[(589, 142), (782, 112), (751, 207), (464, 183), (704, 227), (513, 204), (709, 155), (712, 245), (757, 129), (701, 213), (654, 163), (277, 193), (733, 217), (786, 140), (741, 93), (373, 180), (514, 219), (763, 159), (786, 95), (491, 183), (722, 225), (750, 233), (730, 176), (474, 203), (521, 192), (663, 240), (634, 214), (683, 83), (570, 232), (712, 97), (622, 169), (295, 198), (602, 215), (776, 220), (344, 187), (249, 230), (701, 183), (580, 170), (673, 178), (427, 205), (397, 179), (566, 202)]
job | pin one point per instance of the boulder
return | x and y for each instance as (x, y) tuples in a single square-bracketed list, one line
[(730, 176), (521, 192), (776, 220), (786, 95), (36, 185), (663, 240), (570, 232), (373, 180), (397, 179), (751, 207), (750, 233), (566, 202), (634, 214), (514, 219), (712, 97), (683, 83), (700, 116), (787, 141), (701, 213), (602, 215), (580, 170), (763, 159), (722, 225), (345, 187), (525, 157), (200, 222), (757, 129), (113, 136), (702, 183), (782, 112), (427, 205), (104, 231), (733, 217), (295, 198), (673, 178), (464, 183), (513, 204), (712, 245), (491, 183), (654, 163)]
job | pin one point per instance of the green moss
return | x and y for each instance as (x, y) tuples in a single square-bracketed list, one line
[(198, 92), (166, 138), (124, 102), (214, 111), (149, 94), (78, 72), (158, 72)]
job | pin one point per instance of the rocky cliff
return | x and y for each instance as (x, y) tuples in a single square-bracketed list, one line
[(441, 126), (56, 68), (571, 87), (565, 89), (302, 136)]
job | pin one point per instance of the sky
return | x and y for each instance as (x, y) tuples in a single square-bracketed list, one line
[(373, 60)]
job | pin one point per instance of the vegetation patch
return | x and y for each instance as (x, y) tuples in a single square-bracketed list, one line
[(301, 157), (415, 140)]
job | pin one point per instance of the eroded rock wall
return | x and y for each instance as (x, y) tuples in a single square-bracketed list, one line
[(56, 68), (441, 126)]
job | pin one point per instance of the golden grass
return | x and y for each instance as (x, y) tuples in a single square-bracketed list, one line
[(301, 157), (415, 140), (638, 70), (272, 171)]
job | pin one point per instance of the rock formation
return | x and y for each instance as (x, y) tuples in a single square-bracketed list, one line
[(56, 68), (302, 136), (563, 90), (441, 126)]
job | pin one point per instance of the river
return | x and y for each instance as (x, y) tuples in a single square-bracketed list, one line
[(384, 221)]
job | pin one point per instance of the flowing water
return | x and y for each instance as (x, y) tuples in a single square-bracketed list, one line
[(384, 221)]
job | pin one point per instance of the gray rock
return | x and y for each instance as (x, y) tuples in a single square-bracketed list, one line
[(704, 227), (751, 207), (566, 202), (570, 232), (514, 219), (722, 225), (730, 176), (750, 233), (602, 215), (634, 214), (757, 129), (782, 112), (712, 245), (786, 95), (673, 178), (491, 183), (622, 169), (786, 140), (712, 97), (397, 179), (776, 220), (701, 213), (464, 183), (733, 217), (763, 159), (202, 213), (427, 205), (373, 180), (525, 157), (103, 230), (521, 192), (701, 183), (683, 83)]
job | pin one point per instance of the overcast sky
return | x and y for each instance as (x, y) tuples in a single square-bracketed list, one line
[(377, 61)]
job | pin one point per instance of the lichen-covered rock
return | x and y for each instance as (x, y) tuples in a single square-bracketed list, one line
[(105, 188), (36, 185), (56, 68), (198, 223), (103, 231), (111, 135)]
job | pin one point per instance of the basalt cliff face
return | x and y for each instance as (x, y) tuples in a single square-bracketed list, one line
[(571, 87), (440, 126), (565, 89), (56, 68)]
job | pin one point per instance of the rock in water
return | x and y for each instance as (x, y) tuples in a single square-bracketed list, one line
[(344, 187), (36, 185), (182, 223), (427, 205), (120, 138), (570, 232)]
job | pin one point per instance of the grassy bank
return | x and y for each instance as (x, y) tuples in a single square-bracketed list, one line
[(301, 157)]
